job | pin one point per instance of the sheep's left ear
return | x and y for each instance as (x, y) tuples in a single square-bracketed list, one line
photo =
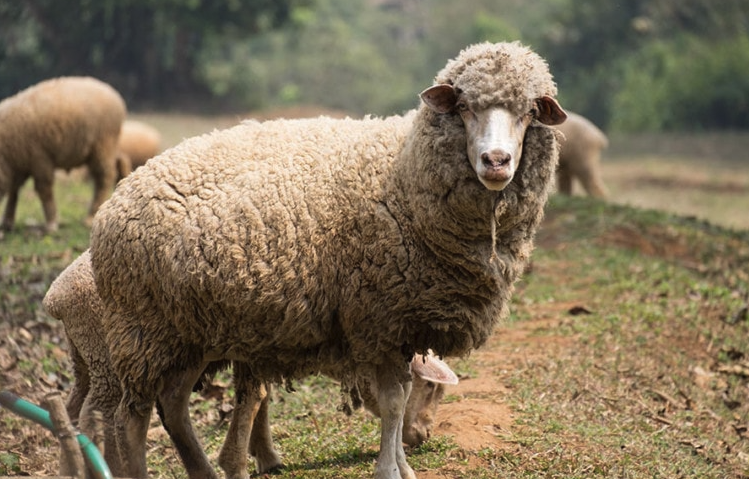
[(549, 111), (440, 98)]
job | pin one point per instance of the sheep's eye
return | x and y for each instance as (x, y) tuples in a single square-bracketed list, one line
[(462, 106)]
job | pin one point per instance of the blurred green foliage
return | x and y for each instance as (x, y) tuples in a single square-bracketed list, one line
[(629, 65)]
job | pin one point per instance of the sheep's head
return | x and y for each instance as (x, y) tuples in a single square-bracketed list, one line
[(498, 90)]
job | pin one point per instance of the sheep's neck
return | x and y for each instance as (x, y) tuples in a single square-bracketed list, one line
[(436, 192)]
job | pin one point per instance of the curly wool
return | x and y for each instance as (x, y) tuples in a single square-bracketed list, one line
[(522, 76), (307, 245)]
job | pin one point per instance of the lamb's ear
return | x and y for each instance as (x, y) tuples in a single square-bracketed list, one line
[(549, 111), (440, 98), (431, 368)]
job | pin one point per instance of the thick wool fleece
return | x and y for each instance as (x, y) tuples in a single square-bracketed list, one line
[(309, 245)]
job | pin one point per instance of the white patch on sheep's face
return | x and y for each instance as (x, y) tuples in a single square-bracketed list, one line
[(495, 143)]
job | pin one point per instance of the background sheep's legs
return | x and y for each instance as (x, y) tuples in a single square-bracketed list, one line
[(9, 218), (104, 174), (564, 180), (591, 179), (393, 391), (249, 427), (43, 184), (173, 406)]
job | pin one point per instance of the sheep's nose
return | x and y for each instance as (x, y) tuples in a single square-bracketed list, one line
[(495, 158)]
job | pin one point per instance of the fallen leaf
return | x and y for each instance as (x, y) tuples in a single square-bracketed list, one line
[(578, 310)]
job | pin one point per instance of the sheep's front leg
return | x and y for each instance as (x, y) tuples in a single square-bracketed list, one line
[(174, 401), (393, 390), (249, 426)]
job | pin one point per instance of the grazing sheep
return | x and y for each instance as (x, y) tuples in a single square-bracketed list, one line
[(580, 156), (73, 299), (299, 246), (139, 142), (60, 123)]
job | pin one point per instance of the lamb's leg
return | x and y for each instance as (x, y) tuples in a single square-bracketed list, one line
[(392, 395), (249, 427), (131, 426), (261, 440), (88, 426), (80, 388), (173, 405)]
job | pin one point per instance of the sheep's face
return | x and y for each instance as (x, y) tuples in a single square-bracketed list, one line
[(494, 136), (430, 375)]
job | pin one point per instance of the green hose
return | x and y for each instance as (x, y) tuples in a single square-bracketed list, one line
[(41, 416)]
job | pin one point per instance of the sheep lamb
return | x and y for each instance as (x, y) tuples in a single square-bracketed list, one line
[(72, 298), (580, 156), (59, 123), (299, 246)]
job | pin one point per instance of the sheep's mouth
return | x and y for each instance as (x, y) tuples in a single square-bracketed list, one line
[(497, 172)]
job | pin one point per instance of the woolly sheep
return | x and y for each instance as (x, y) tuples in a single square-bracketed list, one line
[(73, 299), (344, 245), (139, 142), (580, 156), (59, 123)]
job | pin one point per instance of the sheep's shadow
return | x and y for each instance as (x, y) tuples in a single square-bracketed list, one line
[(342, 459)]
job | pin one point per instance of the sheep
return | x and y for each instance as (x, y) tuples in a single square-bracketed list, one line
[(139, 142), (72, 298), (59, 123), (580, 156), (343, 245)]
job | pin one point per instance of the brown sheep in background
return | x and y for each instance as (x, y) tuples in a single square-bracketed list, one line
[(580, 156), (139, 142), (59, 124)]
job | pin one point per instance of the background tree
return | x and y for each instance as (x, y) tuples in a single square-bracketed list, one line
[(146, 48)]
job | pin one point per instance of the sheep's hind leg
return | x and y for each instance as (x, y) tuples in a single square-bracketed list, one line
[(393, 390), (249, 427), (173, 406)]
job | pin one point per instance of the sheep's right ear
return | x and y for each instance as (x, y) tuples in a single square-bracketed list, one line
[(431, 368), (440, 98)]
